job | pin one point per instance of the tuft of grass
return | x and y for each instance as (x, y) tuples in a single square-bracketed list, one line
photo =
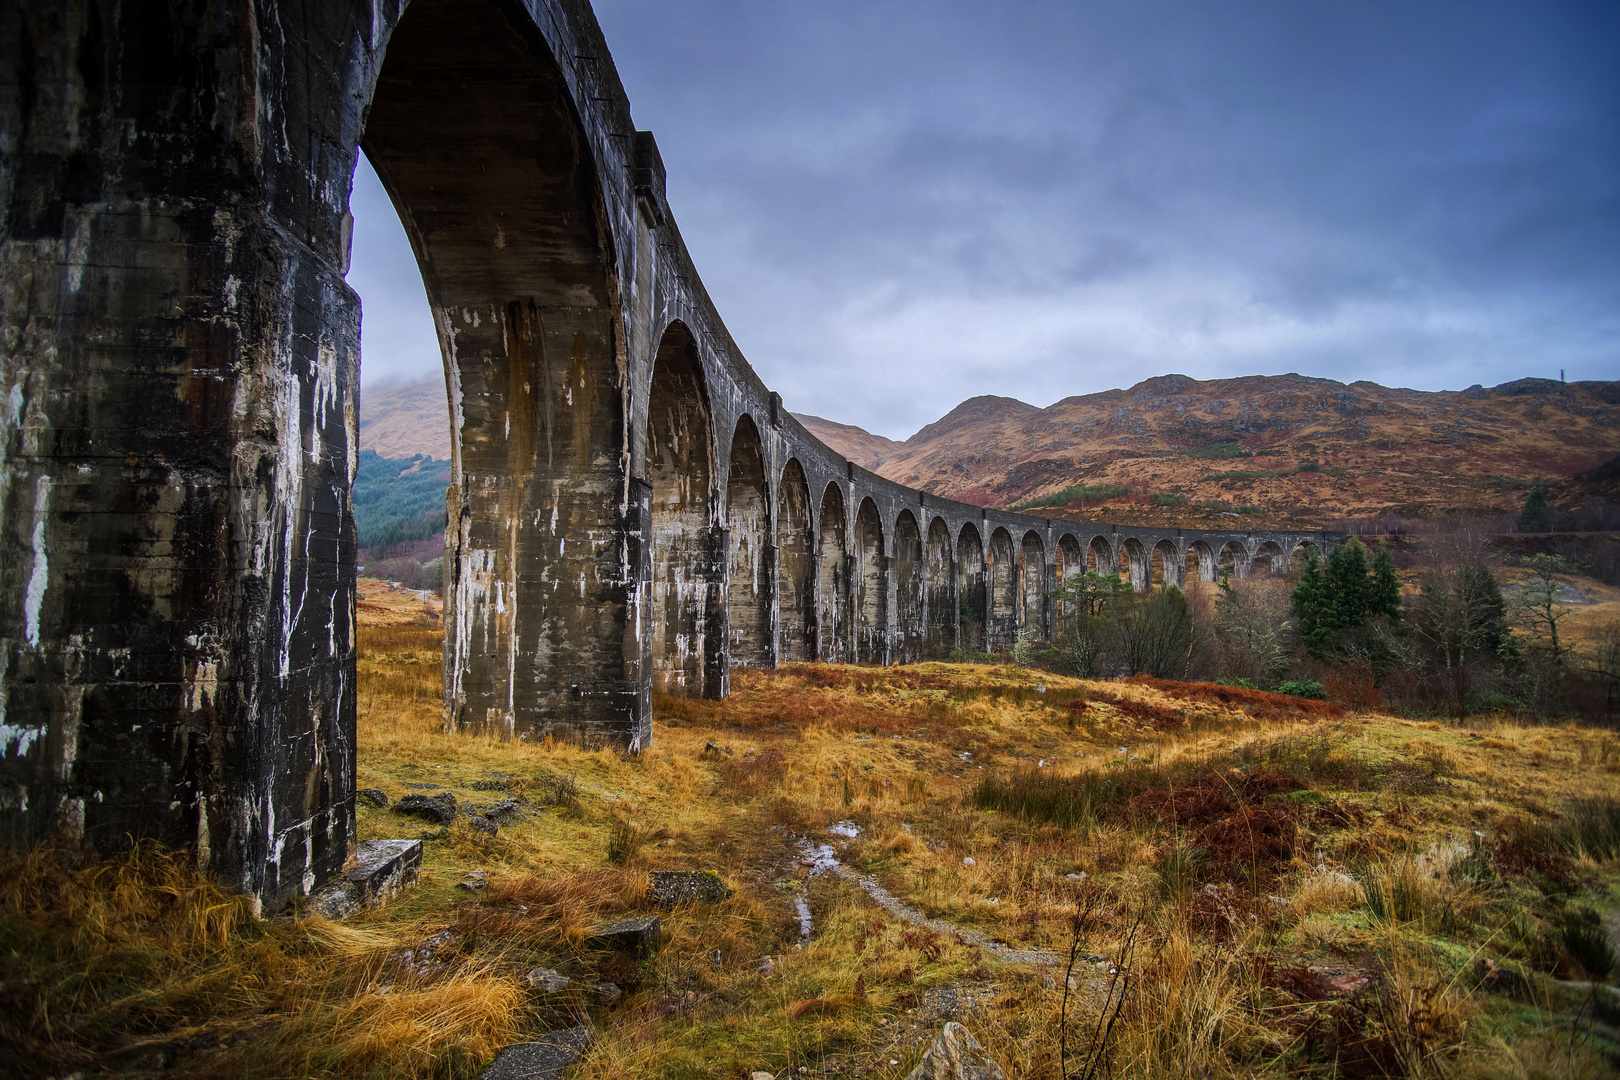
[(1591, 828)]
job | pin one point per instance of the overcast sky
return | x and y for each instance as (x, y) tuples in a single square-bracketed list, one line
[(899, 204)]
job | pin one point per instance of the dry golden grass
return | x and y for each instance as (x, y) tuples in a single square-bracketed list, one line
[(1308, 891)]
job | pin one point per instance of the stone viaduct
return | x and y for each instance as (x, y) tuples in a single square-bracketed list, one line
[(632, 509)]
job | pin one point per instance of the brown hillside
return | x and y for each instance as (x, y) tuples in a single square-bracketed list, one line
[(1377, 449), (859, 445), (404, 419)]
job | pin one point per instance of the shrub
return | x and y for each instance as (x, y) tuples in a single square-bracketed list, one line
[(1162, 498), (1303, 689), (1251, 510)]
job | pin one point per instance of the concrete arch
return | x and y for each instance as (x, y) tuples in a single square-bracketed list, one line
[(1300, 552), (1071, 564), (972, 588), (1167, 565), (749, 599), (1002, 591), (1201, 561), (871, 587), (909, 612), (685, 591), (535, 395), (1032, 586), (1100, 556), (834, 631), (940, 592), (1268, 559), (1136, 563), (1234, 560), (795, 566)]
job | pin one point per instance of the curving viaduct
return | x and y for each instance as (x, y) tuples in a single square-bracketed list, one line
[(632, 510)]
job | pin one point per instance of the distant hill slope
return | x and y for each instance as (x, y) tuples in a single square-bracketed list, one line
[(859, 445), (401, 420), (1241, 443)]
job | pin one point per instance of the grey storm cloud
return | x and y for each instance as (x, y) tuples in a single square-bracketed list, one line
[(898, 205)]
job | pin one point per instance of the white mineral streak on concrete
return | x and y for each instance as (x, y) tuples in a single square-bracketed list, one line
[(78, 246), (21, 737), (39, 577), (288, 496), (203, 688)]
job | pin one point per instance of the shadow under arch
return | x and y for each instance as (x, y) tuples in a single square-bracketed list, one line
[(685, 598), (833, 630), (1032, 584), (749, 602), (795, 566), (909, 624), (972, 586), (1002, 589), (870, 587), (518, 265), (941, 590)]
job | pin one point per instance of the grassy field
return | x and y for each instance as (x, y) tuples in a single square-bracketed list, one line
[(1249, 885)]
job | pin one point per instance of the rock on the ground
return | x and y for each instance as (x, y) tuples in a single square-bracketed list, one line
[(475, 881), (543, 1059), (761, 1076), (608, 994), (502, 813), (480, 823), (956, 1055), (439, 809), (636, 935), (547, 981), (374, 796), (381, 868), (667, 888)]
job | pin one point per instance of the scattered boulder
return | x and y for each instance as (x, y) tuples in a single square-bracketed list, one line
[(475, 881), (956, 1055), (716, 749), (547, 981), (435, 834), (480, 823), (667, 888), (543, 1059), (380, 869), (502, 813), (373, 796), (608, 995), (493, 782), (637, 936), (439, 809)]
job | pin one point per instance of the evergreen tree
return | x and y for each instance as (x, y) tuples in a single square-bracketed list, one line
[(1347, 586), (1310, 602), (1384, 594), (1534, 517), (1486, 613)]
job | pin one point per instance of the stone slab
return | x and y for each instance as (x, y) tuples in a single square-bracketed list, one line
[(667, 888), (638, 935), (543, 1059)]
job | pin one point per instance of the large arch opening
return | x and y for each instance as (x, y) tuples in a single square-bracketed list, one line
[(472, 132), (973, 614), (1135, 558), (1201, 564), (795, 566), (1167, 564), (908, 590), (943, 616), (871, 588), (1071, 564), (1268, 560), (1234, 561), (1032, 584), (680, 472), (748, 527), (1101, 555), (1002, 629), (833, 615)]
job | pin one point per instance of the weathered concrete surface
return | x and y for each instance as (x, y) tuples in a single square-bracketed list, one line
[(631, 508)]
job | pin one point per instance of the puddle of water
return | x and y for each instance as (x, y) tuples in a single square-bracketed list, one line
[(803, 909), (844, 828)]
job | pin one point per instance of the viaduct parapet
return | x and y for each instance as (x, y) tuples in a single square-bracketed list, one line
[(632, 510)]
